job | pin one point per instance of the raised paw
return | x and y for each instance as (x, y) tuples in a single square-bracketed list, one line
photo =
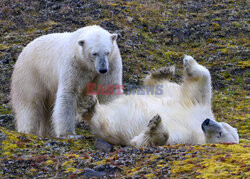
[(191, 67), (188, 61), (154, 122), (164, 72), (92, 100)]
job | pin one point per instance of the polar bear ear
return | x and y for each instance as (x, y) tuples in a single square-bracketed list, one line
[(113, 37), (81, 42)]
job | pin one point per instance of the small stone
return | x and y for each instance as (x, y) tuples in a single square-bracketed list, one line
[(129, 19), (108, 169), (92, 173), (103, 146)]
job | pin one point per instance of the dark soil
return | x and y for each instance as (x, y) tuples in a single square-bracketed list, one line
[(152, 34)]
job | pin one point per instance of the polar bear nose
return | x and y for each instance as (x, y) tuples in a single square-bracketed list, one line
[(103, 70), (206, 122)]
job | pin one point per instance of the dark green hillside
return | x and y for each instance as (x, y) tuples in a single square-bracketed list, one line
[(152, 34)]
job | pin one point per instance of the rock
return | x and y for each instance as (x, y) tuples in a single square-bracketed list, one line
[(108, 169), (101, 171), (92, 173), (130, 19), (103, 146)]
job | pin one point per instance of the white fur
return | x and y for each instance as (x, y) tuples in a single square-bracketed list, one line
[(51, 74), (182, 109)]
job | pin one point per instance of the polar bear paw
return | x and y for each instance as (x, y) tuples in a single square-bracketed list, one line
[(188, 63), (191, 68), (158, 135), (92, 101), (163, 73), (153, 123)]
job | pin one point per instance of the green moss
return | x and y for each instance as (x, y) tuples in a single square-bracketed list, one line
[(5, 109), (155, 40), (216, 26), (3, 47)]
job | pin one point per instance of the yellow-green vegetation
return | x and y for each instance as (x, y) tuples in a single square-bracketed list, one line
[(201, 161), (152, 34), (221, 162)]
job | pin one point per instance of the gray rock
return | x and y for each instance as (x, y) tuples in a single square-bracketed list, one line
[(108, 169), (92, 173), (103, 146)]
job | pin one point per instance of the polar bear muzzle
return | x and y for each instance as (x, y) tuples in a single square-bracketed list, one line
[(102, 64), (210, 126)]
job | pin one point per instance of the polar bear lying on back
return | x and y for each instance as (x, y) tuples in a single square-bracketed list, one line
[(182, 115)]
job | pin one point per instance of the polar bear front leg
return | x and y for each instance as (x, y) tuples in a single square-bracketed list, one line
[(155, 134), (197, 81), (64, 114)]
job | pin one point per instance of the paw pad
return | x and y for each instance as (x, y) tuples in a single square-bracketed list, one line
[(154, 122), (92, 100), (163, 72)]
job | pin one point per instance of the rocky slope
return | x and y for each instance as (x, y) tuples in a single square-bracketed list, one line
[(151, 34)]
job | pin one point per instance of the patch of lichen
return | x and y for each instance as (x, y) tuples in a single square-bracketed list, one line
[(151, 34), (232, 106), (14, 143), (42, 154), (221, 161)]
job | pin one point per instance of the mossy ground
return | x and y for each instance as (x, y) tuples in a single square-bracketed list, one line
[(151, 34)]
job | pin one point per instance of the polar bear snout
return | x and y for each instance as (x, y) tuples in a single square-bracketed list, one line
[(210, 126), (102, 64), (103, 70), (206, 122)]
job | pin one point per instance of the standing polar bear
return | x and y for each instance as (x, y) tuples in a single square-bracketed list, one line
[(181, 115), (51, 74)]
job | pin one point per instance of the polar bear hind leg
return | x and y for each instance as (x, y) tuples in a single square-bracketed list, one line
[(30, 119), (155, 77), (158, 135), (154, 134)]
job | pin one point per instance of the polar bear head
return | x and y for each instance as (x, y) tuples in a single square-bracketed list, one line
[(219, 132), (97, 46)]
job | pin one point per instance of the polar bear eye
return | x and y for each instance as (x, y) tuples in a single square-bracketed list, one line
[(94, 54), (107, 53)]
